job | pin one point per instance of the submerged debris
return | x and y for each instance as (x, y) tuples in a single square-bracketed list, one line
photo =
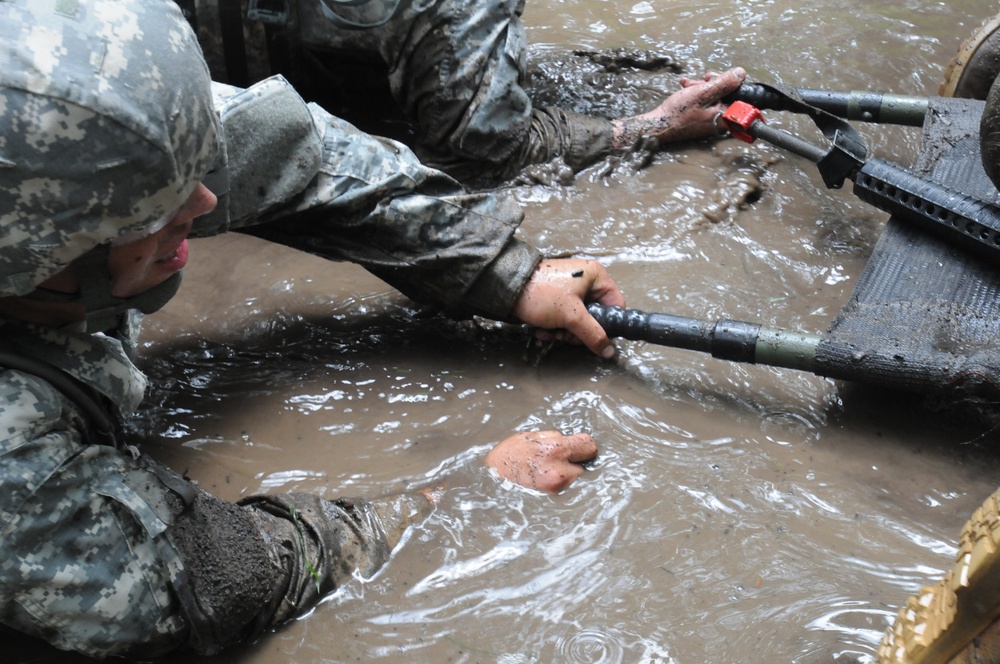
[(609, 82), (616, 59), (741, 182)]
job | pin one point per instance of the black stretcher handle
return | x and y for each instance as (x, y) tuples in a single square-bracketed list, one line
[(875, 107), (724, 339), (968, 222)]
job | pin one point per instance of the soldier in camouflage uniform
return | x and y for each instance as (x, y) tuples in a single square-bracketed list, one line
[(455, 69), (109, 132)]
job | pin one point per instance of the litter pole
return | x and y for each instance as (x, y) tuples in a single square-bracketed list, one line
[(874, 107), (724, 339), (968, 222)]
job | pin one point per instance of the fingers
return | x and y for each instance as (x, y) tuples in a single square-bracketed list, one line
[(688, 82), (585, 327), (713, 86), (555, 299), (606, 292), (717, 87), (590, 333), (544, 460), (562, 477), (578, 448), (563, 456), (731, 80)]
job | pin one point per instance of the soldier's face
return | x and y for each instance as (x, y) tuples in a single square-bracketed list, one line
[(138, 266)]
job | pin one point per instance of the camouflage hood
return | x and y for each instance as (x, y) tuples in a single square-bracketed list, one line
[(106, 127)]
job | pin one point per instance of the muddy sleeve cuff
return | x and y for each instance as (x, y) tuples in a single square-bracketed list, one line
[(496, 290), (320, 544), (243, 569), (579, 139)]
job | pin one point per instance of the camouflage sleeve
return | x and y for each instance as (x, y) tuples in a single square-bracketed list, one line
[(464, 85), (372, 202), (459, 75), (107, 554), (579, 139), (78, 567)]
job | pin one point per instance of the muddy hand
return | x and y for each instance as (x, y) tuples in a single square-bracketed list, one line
[(544, 460), (555, 298), (688, 114)]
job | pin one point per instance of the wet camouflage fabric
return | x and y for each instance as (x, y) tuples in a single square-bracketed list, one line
[(150, 128), (372, 202), (86, 556), (100, 554), (80, 565), (456, 70)]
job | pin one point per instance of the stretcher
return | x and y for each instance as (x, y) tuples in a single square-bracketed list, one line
[(925, 313)]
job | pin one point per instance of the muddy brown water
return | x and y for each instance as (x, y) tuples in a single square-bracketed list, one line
[(735, 513)]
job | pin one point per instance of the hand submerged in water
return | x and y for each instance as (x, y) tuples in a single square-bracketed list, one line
[(688, 114), (545, 460)]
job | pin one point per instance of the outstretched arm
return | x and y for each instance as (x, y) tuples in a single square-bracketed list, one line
[(370, 201)]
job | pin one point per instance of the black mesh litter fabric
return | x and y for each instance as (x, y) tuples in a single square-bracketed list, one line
[(925, 315)]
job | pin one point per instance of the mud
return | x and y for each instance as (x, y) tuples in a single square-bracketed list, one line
[(735, 513)]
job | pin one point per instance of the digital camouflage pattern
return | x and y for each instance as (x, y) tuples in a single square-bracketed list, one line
[(372, 202), (80, 564), (456, 69), (107, 553), (103, 551), (149, 128)]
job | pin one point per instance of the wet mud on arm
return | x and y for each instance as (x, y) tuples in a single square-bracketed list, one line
[(373, 203), (252, 566)]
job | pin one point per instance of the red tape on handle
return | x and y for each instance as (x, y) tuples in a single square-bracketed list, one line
[(740, 116)]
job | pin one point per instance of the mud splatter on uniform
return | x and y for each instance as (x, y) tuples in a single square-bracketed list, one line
[(456, 69), (107, 122)]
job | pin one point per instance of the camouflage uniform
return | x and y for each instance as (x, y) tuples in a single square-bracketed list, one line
[(369, 201), (101, 550), (455, 69)]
